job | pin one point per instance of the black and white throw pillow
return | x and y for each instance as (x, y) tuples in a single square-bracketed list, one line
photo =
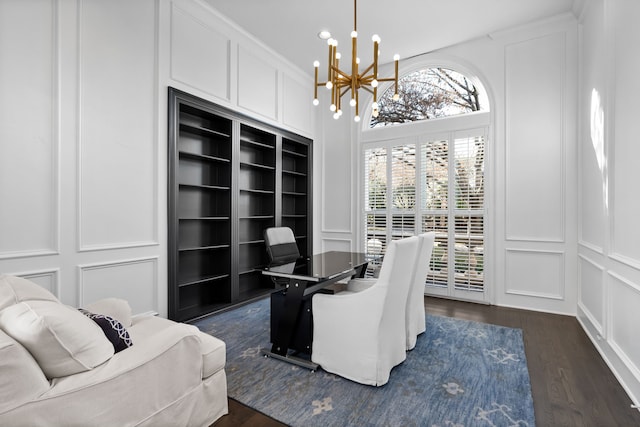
[(113, 330)]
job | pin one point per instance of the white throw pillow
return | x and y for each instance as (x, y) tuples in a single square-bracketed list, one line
[(16, 289), (61, 339)]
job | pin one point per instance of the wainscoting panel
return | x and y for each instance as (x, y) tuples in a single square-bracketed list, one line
[(535, 143), (117, 124), (134, 280), (591, 291), (48, 279), (337, 244), (625, 318), (257, 84), (535, 273), (29, 129), (199, 54), (297, 109)]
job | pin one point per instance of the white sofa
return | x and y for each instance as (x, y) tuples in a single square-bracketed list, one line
[(58, 368)]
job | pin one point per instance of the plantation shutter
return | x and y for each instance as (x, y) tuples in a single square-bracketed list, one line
[(434, 182), (375, 200), (469, 212), (403, 179)]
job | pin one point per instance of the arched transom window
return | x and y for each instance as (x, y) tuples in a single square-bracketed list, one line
[(427, 94)]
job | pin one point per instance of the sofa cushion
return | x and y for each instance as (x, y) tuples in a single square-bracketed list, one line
[(117, 308), (21, 379), (115, 331), (16, 289), (61, 339)]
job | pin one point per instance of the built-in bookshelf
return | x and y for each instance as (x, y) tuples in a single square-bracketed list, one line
[(230, 178), (295, 189)]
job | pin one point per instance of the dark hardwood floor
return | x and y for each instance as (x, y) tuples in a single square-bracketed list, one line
[(571, 385)]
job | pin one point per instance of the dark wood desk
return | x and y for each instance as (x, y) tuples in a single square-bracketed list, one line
[(304, 278)]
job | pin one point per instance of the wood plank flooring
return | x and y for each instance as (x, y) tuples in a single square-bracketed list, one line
[(571, 385)]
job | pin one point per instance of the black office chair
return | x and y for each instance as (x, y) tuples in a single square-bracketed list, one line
[(281, 245)]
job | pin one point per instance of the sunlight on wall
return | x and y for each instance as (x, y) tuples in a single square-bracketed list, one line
[(597, 139)]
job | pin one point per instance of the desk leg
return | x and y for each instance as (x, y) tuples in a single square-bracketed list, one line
[(360, 271), (287, 325)]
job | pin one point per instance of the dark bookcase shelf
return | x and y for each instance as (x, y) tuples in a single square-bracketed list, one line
[(230, 178)]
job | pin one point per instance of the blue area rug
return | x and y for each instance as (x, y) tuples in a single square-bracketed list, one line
[(460, 373)]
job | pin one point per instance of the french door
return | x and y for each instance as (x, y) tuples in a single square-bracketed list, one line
[(431, 183)]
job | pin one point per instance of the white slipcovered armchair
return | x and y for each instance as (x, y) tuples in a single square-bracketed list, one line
[(361, 335), (415, 313)]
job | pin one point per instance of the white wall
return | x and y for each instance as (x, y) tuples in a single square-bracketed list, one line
[(609, 232), (83, 133)]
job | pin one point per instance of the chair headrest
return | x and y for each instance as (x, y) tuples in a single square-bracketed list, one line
[(281, 245)]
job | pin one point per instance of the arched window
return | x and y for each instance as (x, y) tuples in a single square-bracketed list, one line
[(427, 94), (430, 176)]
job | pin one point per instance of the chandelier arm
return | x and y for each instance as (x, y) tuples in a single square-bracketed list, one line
[(342, 73), (355, 27), (369, 68), (366, 80)]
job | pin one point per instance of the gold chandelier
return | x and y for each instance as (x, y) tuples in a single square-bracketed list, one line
[(339, 82)]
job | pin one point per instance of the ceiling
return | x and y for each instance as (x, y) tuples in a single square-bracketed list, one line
[(406, 27)]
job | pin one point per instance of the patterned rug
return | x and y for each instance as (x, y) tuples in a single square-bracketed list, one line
[(460, 373)]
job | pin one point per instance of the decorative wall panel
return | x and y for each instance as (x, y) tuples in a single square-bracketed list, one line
[(593, 174), (48, 279), (336, 244), (28, 128), (591, 295), (337, 189), (626, 152), (625, 318), (257, 84), (535, 179), (297, 111), (199, 54), (133, 280), (535, 273), (117, 124)]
